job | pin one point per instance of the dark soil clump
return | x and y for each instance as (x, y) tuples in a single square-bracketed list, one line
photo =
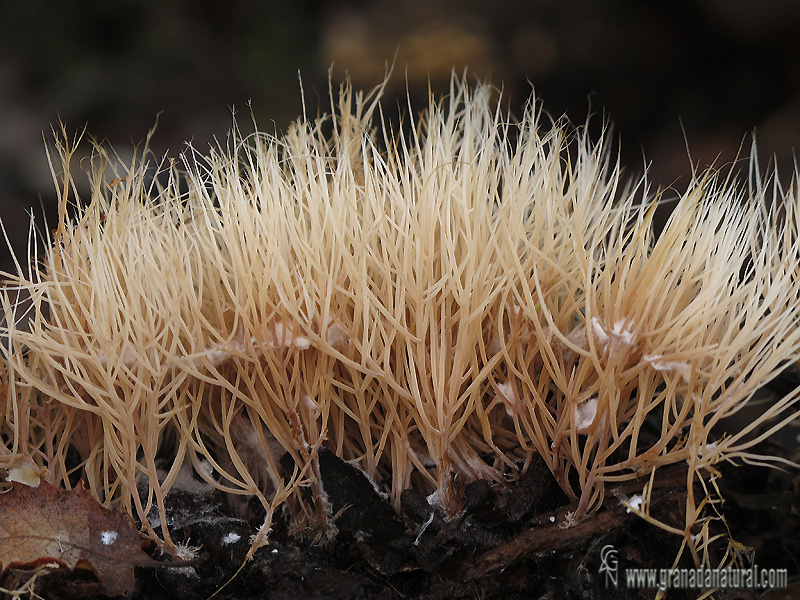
[(507, 543)]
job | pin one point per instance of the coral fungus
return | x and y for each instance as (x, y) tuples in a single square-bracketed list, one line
[(434, 308)]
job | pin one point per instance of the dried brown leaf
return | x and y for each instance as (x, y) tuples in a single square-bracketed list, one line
[(45, 524)]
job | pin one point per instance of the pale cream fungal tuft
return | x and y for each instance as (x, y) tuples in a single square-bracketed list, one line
[(435, 309)]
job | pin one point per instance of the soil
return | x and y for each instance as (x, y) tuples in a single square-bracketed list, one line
[(508, 542)]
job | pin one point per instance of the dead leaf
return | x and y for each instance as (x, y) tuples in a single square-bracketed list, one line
[(46, 524)]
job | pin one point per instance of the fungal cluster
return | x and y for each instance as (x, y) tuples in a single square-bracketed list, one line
[(434, 308)]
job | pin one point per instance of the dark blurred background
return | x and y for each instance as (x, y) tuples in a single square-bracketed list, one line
[(716, 69)]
